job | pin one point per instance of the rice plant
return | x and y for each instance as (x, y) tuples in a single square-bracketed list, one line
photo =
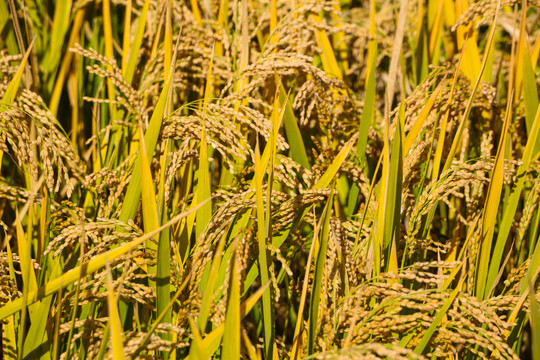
[(269, 179)]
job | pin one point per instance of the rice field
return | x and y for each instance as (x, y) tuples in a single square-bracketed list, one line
[(269, 179)]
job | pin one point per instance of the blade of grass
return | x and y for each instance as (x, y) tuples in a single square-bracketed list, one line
[(203, 185), (339, 39), (109, 53), (133, 193), (27, 272), (126, 40), (535, 324), (368, 112), (394, 184), (164, 248), (512, 203), (104, 343), (535, 53), (56, 333), (13, 87), (318, 276), (297, 339), (394, 61), (412, 135), (129, 70), (530, 278), (328, 56), (9, 339), (149, 206), (231, 336), (528, 78), (435, 31), (332, 170), (37, 334), (197, 349), (60, 25), (268, 320), (378, 238), (151, 222), (114, 319), (242, 223), (168, 41), (19, 35), (437, 159), (208, 294), (66, 62), (250, 348), (491, 208), (296, 143), (8, 34), (466, 42), (196, 12)]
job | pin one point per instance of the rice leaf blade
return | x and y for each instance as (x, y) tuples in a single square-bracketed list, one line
[(114, 319), (231, 336), (535, 323), (513, 203), (268, 320), (136, 45), (133, 193), (491, 206), (318, 276), (297, 148)]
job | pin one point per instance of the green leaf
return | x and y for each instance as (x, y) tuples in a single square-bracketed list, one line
[(512, 203), (319, 273), (197, 349), (535, 325), (133, 193), (393, 197), (491, 207), (231, 337), (210, 285), (296, 143), (114, 319), (149, 205), (37, 334), (332, 170), (525, 73), (268, 321), (368, 112), (13, 87), (204, 215), (60, 26), (136, 46)]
